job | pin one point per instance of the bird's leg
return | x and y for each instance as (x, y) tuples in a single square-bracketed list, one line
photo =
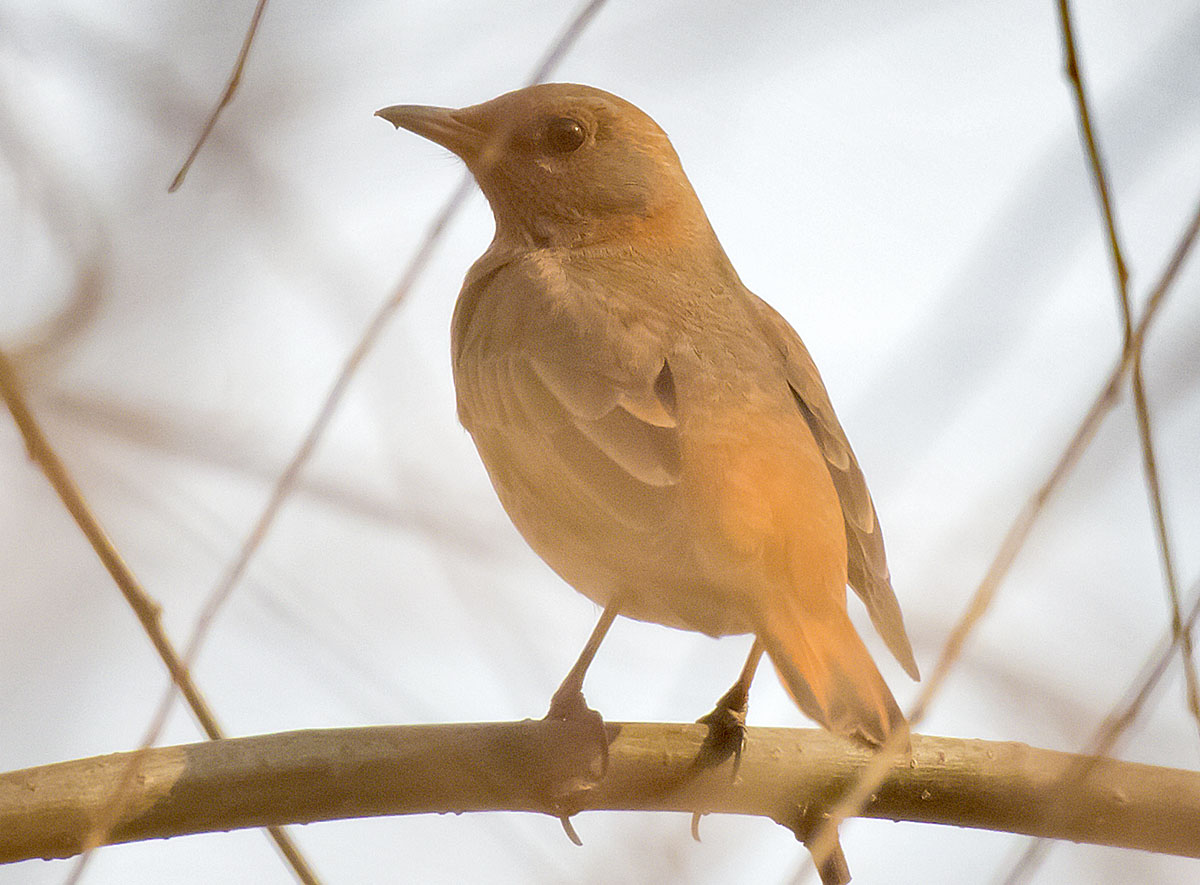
[(568, 703), (727, 722), (726, 726)]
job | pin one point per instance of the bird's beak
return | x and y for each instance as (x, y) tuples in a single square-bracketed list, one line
[(442, 125)]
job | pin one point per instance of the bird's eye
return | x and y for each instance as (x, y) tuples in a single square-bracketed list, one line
[(564, 135)]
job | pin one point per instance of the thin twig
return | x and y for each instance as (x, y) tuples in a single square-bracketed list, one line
[(848, 806), (1163, 536), (148, 611), (1083, 108), (235, 80), (1110, 731), (1141, 407), (288, 479)]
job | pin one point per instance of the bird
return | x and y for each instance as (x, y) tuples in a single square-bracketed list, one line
[(658, 434)]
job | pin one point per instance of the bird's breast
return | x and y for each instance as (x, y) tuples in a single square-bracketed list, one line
[(689, 500)]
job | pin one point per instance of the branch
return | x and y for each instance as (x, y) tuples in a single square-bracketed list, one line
[(306, 776), (231, 87)]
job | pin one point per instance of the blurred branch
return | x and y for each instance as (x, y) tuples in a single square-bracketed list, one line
[(235, 80), (1140, 404), (74, 224), (144, 607), (824, 842), (306, 776), (207, 440)]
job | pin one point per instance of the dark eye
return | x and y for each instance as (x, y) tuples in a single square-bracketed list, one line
[(564, 135)]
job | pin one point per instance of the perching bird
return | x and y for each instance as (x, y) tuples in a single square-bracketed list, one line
[(658, 433)]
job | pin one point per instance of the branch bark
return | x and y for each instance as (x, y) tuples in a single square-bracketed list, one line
[(541, 766)]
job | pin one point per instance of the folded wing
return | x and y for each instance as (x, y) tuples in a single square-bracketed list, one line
[(580, 421), (867, 563)]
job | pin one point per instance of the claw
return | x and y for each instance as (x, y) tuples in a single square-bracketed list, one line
[(569, 829)]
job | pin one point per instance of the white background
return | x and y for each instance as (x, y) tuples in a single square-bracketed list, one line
[(904, 181)]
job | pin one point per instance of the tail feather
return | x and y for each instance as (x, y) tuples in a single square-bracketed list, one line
[(830, 675)]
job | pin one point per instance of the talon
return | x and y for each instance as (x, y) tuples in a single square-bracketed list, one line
[(696, 815), (569, 829)]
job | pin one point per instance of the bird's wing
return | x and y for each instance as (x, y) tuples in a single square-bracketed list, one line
[(867, 564), (565, 408)]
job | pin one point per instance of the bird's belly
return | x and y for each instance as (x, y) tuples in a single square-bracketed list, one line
[(643, 550)]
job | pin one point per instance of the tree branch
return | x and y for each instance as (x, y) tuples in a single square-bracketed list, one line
[(306, 776), (231, 87)]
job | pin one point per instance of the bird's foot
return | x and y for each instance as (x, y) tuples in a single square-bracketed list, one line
[(726, 737), (726, 733), (569, 706)]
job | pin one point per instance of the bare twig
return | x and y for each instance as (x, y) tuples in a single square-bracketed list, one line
[(1170, 575), (63, 211), (231, 87), (1106, 399), (1096, 164), (299, 777), (144, 607), (1141, 407), (1110, 731)]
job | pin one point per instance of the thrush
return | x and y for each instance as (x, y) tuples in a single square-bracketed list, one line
[(658, 434)]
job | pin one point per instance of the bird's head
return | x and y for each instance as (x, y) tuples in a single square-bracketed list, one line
[(563, 164)]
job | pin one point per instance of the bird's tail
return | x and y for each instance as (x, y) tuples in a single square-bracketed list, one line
[(830, 674)]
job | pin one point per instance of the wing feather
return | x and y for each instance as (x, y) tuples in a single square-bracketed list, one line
[(867, 566), (563, 410)]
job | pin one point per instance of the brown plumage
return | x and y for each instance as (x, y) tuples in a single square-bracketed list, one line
[(658, 433)]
